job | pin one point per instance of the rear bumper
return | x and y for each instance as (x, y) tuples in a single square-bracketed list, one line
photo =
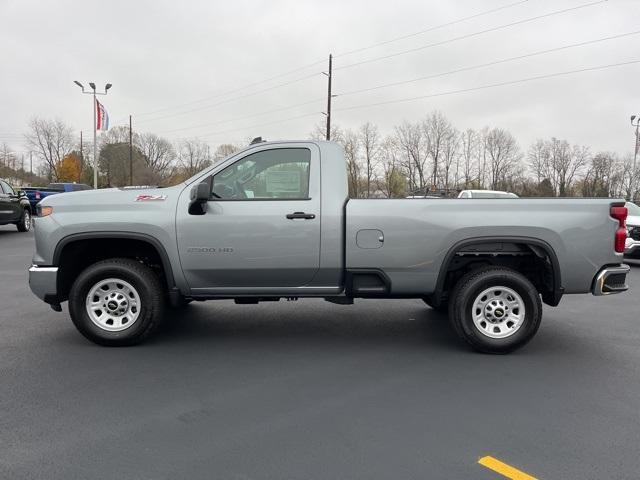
[(43, 283), (610, 280)]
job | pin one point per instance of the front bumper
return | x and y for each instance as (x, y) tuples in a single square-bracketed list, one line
[(43, 283), (610, 280)]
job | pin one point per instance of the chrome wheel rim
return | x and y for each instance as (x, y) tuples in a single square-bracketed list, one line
[(498, 312), (27, 220), (113, 304)]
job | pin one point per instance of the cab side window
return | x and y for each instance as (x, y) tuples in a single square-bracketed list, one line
[(281, 173), (6, 188)]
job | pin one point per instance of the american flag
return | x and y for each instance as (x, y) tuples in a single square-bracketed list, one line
[(102, 117)]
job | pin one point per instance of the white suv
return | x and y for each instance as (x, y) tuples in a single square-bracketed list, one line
[(632, 245)]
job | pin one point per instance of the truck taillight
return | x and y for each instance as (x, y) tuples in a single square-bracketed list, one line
[(620, 214)]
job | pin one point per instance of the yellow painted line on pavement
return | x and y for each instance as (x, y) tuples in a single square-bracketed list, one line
[(504, 469)]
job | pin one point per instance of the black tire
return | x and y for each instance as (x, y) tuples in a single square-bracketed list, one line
[(442, 308), (146, 284), (24, 224), (469, 288)]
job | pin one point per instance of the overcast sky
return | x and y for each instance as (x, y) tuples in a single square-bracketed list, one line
[(173, 65)]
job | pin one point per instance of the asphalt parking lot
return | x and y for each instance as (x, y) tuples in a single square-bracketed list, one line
[(312, 390)]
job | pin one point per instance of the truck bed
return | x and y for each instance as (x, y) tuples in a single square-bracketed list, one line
[(418, 234)]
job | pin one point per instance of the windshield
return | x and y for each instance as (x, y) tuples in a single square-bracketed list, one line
[(634, 209)]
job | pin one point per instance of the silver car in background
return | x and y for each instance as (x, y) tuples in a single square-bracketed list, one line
[(486, 194)]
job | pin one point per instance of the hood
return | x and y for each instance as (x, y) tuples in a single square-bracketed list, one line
[(633, 221), (107, 198)]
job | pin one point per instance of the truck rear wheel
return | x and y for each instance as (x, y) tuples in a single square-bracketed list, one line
[(116, 302), (495, 310)]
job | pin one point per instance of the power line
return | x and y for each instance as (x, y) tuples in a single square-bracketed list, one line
[(436, 75), (470, 35), (431, 29), (492, 85), (230, 92), (374, 45), (451, 92), (229, 100), (244, 117), (259, 125), (489, 64)]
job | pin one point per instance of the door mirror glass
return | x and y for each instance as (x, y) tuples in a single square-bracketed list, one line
[(199, 198)]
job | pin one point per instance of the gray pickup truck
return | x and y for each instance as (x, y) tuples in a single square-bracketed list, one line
[(274, 221)]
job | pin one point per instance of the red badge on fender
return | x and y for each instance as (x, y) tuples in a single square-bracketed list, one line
[(150, 198)]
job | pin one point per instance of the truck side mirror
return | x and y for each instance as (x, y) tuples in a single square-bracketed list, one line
[(199, 198)]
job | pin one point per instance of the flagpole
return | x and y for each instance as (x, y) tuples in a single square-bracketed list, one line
[(95, 107)]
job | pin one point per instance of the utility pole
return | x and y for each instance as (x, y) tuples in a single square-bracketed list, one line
[(95, 110), (636, 146), (30, 162), (130, 153), (81, 153), (329, 96)]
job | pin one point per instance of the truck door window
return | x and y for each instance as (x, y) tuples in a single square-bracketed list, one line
[(7, 188), (281, 173)]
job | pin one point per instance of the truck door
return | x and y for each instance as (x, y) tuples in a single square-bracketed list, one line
[(10, 210), (261, 226)]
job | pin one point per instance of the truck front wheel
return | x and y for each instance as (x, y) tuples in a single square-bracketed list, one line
[(116, 302), (495, 310)]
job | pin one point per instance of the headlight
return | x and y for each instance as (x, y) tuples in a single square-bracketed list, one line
[(44, 211)]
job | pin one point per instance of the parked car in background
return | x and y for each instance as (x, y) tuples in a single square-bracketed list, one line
[(14, 207), (486, 194), (35, 194), (632, 245)]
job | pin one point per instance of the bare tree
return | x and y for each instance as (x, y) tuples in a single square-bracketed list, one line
[(193, 156), (392, 181), (319, 132), (158, 152), (437, 130), (538, 159), (223, 151), (557, 162), (503, 155), (601, 176), (351, 145), (482, 157), (118, 134), (469, 146), (51, 141), (629, 178), (5, 153), (450, 147), (564, 164), (410, 139), (370, 142)]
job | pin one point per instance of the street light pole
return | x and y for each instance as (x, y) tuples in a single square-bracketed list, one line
[(95, 142), (636, 144)]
